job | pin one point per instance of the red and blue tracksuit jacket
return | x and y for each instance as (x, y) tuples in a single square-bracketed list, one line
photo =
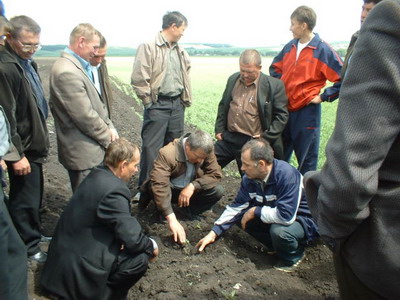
[(280, 200), (305, 78)]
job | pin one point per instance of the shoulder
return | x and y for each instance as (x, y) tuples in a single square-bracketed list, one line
[(106, 182), (285, 173)]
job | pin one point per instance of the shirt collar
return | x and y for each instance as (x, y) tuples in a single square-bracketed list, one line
[(85, 64)]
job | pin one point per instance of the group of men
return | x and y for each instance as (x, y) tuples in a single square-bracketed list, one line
[(261, 120)]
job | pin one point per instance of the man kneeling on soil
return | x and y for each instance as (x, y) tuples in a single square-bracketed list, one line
[(99, 250), (270, 205), (186, 171)]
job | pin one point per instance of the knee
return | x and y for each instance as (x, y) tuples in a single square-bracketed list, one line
[(219, 191)]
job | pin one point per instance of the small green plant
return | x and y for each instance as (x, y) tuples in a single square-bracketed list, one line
[(230, 295)]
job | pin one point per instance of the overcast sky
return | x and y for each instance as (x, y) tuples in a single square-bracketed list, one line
[(129, 22)]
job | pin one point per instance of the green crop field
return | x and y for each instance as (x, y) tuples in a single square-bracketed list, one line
[(209, 76)]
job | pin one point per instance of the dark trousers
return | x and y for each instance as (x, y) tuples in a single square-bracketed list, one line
[(127, 270), (76, 177), (162, 123), (24, 203), (200, 202), (230, 148), (13, 260), (302, 135), (350, 287), (287, 241)]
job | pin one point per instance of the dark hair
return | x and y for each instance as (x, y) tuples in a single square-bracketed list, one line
[(201, 140), (372, 1), (250, 56), (103, 41), (260, 149), (118, 151), (19, 23), (305, 14), (173, 17)]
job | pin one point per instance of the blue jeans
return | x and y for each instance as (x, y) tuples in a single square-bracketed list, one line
[(287, 241)]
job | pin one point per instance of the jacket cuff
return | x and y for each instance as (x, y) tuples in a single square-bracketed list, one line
[(257, 212), (217, 229)]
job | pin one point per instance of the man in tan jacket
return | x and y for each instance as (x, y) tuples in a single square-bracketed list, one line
[(83, 127), (160, 78), (185, 172)]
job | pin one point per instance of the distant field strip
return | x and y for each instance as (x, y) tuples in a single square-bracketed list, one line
[(209, 76)]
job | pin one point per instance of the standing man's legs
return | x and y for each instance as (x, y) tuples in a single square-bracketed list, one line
[(155, 126), (350, 287), (176, 121), (24, 204), (305, 134), (76, 177), (13, 260), (230, 148)]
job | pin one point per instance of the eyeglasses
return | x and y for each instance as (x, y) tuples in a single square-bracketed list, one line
[(26, 47)]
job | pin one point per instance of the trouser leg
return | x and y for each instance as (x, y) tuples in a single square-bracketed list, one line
[(205, 199), (13, 259), (305, 133), (76, 177), (155, 126), (127, 270), (24, 204), (287, 140), (175, 128), (230, 148), (288, 241), (224, 153), (350, 287)]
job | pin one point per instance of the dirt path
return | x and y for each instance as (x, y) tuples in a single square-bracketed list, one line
[(235, 267)]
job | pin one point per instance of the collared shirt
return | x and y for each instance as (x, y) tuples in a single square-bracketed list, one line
[(172, 84), (96, 80), (36, 85), (243, 114), (85, 64), (183, 180)]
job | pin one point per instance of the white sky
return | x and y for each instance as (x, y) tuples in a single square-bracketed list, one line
[(129, 23)]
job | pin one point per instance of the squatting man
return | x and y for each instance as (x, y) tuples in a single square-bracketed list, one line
[(270, 205)]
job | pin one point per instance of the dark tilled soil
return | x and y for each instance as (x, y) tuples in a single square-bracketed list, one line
[(235, 267)]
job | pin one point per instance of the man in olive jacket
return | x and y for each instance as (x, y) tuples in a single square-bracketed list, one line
[(185, 172), (253, 105)]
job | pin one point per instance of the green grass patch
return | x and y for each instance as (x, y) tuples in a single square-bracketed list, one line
[(209, 76)]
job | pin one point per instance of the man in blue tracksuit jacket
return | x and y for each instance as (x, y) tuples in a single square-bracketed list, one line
[(270, 205)]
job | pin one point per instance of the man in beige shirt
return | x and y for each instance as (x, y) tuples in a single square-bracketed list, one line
[(253, 105), (160, 78)]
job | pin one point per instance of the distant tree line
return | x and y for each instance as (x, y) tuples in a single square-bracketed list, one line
[(213, 50)]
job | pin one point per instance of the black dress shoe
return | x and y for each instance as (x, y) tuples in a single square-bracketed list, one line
[(39, 257)]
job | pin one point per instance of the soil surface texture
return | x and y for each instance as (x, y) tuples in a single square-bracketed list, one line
[(235, 267)]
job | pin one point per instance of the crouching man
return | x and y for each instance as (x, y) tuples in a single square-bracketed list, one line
[(99, 250), (270, 205), (185, 172)]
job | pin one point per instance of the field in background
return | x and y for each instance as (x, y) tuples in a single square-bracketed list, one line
[(209, 76)]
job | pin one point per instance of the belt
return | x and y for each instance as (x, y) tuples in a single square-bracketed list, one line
[(168, 97)]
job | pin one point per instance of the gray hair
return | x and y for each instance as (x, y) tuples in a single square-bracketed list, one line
[(250, 56), (19, 23), (201, 140), (260, 149), (84, 29)]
